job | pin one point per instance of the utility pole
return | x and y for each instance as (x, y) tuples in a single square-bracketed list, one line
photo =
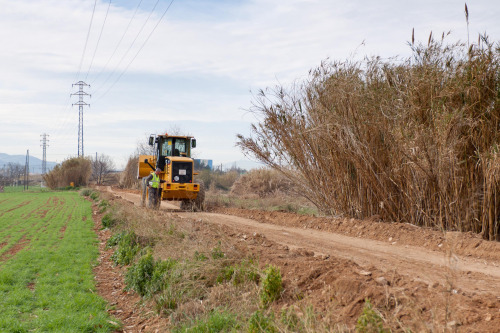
[(44, 158), (81, 103), (27, 170)]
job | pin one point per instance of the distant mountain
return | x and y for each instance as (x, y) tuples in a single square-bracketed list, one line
[(35, 163), (242, 164)]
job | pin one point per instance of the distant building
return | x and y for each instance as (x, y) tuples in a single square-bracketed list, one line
[(200, 164)]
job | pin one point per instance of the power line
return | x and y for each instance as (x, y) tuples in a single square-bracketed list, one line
[(136, 53), (64, 108), (129, 47), (62, 128), (86, 41), (98, 40), (116, 48)]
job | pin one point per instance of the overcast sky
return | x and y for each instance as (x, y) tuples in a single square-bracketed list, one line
[(197, 70)]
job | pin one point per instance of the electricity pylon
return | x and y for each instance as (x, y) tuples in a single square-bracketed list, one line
[(44, 158), (81, 103)]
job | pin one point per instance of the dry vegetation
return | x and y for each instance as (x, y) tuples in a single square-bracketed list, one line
[(263, 189), (75, 170), (412, 140), (207, 278), (128, 178)]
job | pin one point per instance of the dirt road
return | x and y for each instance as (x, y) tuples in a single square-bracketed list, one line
[(467, 273)]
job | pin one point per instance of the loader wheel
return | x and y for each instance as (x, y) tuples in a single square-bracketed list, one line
[(195, 205), (151, 199), (200, 198), (187, 205), (144, 192)]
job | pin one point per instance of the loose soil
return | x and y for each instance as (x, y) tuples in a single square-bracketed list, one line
[(322, 264)]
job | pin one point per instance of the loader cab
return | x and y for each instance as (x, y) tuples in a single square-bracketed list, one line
[(172, 146)]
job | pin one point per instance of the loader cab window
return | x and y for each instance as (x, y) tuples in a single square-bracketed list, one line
[(166, 147), (175, 147)]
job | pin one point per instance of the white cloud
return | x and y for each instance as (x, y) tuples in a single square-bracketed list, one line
[(198, 66)]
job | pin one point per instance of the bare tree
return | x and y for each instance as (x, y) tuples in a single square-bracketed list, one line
[(11, 173), (102, 165)]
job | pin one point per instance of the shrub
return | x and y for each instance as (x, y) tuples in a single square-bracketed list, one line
[(108, 221), (148, 277), (85, 192), (260, 323), (161, 276), (114, 240), (370, 321), (271, 285), (139, 274), (76, 170), (95, 195), (126, 250)]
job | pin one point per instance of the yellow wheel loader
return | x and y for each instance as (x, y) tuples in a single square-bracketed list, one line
[(172, 155)]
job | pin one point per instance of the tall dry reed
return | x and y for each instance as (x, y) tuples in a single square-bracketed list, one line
[(128, 178), (75, 170), (412, 140)]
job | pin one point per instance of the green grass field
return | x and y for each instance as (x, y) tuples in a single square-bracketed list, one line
[(47, 252)]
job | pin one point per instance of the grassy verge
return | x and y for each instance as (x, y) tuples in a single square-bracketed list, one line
[(200, 278), (47, 253)]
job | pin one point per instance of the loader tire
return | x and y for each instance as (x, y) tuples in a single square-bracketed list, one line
[(187, 205), (151, 199), (144, 192), (198, 203), (195, 205)]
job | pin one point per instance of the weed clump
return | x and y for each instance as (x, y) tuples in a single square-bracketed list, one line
[(271, 285), (108, 221), (140, 273), (85, 192), (103, 205), (148, 276), (217, 321), (94, 195), (239, 273), (127, 248), (370, 321), (261, 323), (217, 253)]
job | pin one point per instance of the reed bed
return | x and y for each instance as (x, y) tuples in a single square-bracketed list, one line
[(76, 170), (412, 140)]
